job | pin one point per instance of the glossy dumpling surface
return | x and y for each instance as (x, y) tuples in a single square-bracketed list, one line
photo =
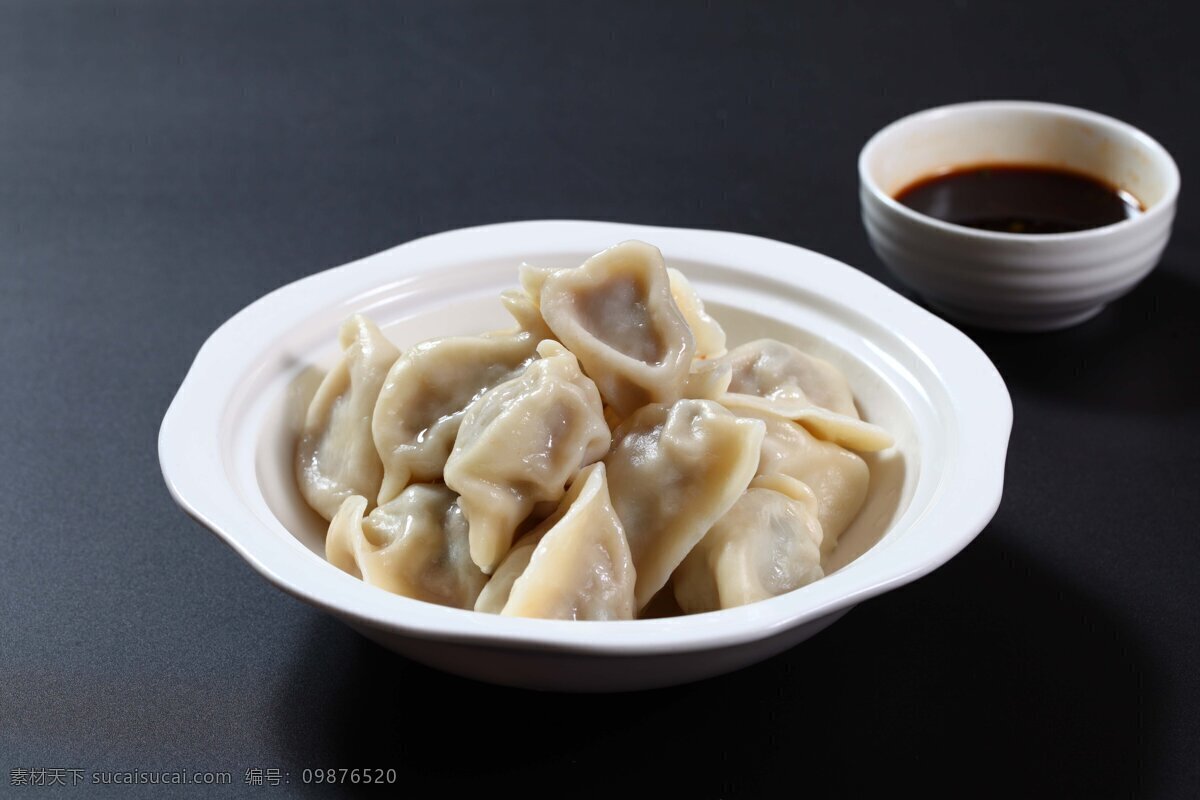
[(416, 546), (766, 545), (707, 332), (616, 313), (520, 444), (788, 379), (779, 378), (425, 395), (838, 477), (336, 456), (674, 470), (495, 594), (580, 566), (840, 429), (496, 591), (707, 380), (524, 309)]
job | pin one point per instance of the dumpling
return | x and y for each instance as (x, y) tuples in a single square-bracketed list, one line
[(838, 477), (415, 546), (707, 380), (425, 395), (525, 311), (777, 377), (581, 567), (708, 333), (674, 471), (575, 565), (336, 456), (842, 430), (496, 591), (612, 418), (788, 379), (532, 279), (520, 444), (616, 314), (768, 544)]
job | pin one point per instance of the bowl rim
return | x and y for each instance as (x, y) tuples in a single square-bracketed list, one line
[(966, 498), (1165, 206)]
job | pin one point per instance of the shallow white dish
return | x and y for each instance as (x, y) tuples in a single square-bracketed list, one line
[(226, 443)]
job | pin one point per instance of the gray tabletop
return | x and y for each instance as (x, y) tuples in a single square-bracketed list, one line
[(164, 164)]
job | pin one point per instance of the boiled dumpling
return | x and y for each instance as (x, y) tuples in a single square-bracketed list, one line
[(709, 335), (766, 545), (674, 471), (855, 434), (520, 444), (525, 311), (425, 395), (496, 591), (777, 377), (838, 477), (788, 379), (708, 380), (336, 457), (532, 278), (581, 567), (575, 565), (616, 314), (415, 545)]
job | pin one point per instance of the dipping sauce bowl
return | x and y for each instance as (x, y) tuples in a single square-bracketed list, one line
[(1016, 281)]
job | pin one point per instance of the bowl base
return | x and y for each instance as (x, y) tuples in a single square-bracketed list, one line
[(589, 672)]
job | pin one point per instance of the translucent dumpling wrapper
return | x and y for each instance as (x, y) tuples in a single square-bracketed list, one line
[(425, 395), (777, 377), (532, 278), (855, 434), (707, 332), (496, 591), (788, 378), (766, 545), (336, 456), (524, 303), (495, 594), (612, 418), (616, 314), (525, 311), (575, 565), (838, 477), (673, 472), (825, 425), (416, 546), (707, 380), (520, 444)]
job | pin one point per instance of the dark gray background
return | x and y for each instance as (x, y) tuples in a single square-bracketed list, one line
[(164, 164)]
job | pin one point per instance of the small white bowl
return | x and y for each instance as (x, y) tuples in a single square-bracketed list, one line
[(227, 442), (1016, 281)]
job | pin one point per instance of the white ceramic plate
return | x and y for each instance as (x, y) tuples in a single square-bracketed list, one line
[(226, 443)]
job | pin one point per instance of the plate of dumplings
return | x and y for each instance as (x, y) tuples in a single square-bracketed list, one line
[(589, 456)]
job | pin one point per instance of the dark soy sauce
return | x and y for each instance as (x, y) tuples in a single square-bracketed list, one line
[(1015, 198)]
